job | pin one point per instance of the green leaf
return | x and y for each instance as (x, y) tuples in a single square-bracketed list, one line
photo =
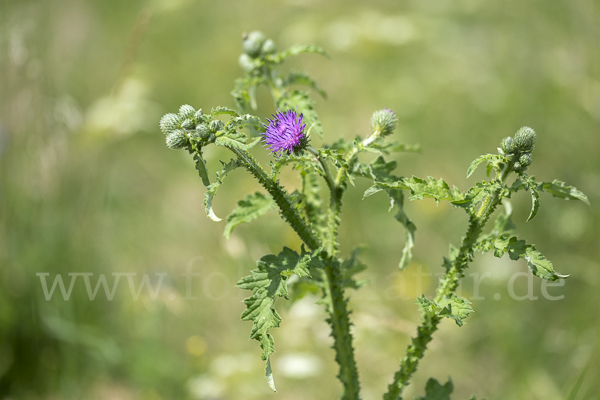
[(351, 267), (298, 100), (302, 78), (244, 120), (456, 308), (252, 207), (236, 140), (453, 307), (397, 198), (535, 197), (294, 51), (269, 375), (244, 92), (559, 189), (539, 265), (268, 282), (201, 167), (212, 188), (436, 189), (222, 111), (435, 391), (493, 160)]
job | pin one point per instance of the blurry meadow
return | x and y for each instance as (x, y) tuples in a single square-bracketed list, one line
[(88, 186)]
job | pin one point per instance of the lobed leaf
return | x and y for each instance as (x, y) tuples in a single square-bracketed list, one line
[(294, 51), (436, 391), (453, 307), (252, 207), (302, 78), (493, 161), (561, 190), (212, 188)]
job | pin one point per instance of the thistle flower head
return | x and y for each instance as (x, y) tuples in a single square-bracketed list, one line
[(285, 132), (384, 121)]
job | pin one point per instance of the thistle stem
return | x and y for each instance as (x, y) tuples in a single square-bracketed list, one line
[(447, 285)]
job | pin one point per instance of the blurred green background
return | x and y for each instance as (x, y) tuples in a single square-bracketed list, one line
[(88, 186)]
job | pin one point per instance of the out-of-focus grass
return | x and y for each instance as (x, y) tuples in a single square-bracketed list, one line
[(87, 186)]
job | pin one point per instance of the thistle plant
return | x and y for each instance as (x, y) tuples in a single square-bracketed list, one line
[(318, 263)]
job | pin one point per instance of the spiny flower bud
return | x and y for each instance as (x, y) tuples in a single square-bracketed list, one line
[(169, 122), (525, 159), (525, 139), (198, 115), (216, 126), (246, 62), (269, 47), (253, 43), (202, 131), (176, 139), (384, 121), (508, 145), (187, 111), (188, 124)]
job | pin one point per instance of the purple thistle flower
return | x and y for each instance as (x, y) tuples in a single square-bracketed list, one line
[(285, 132)]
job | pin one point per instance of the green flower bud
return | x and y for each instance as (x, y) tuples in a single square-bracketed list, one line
[(246, 62), (269, 47), (198, 115), (188, 124), (517, 166), (176, 139), (202, 131), (525, 139), (169, 122), (384, 121), (525, 159), (253, 43), (508, 145), (187, 111), (216, 126)]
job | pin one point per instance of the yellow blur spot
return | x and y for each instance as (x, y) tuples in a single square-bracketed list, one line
[(195, 345)]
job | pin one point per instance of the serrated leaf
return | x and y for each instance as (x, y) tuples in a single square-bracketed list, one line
[(535, 198), (539, 265), (223, 111), (492, 159), (244, 92), (300, 102), (352, 266), (561, 190), (212, 188), (397, 199), (201, 167), (456, 308), (302, 78), (237, 141), (296, 50), (435, 391), (435, 189), (252, 207), (269, 375), (244, 120), (268, 282)]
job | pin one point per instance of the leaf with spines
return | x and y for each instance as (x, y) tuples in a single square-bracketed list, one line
[(243, 121), (302, 78), (223, 111), (560, 189), (352, 266), (267, 283), (252, 207), (294, 51), (453, 307), (212, 188), (236, 140), (244, 92), (397, 199), (436, 391), (201, 167), (493, 159)]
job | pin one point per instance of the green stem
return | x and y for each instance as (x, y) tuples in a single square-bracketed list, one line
[(447, 285), (287, 209)]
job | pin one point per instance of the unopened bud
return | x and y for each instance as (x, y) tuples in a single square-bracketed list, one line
[(246, 62), (253, 43), (202, 131), (269, 47), (216, 126), (525, 139), (187, 111), (525, 159), (198, 115), (169, 122), (188, 124), (384, 121), (176, 139), (508, 145)]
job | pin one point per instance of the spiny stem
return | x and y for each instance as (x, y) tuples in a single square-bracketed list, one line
[(288, 211), (447, 285), (337, 304)]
